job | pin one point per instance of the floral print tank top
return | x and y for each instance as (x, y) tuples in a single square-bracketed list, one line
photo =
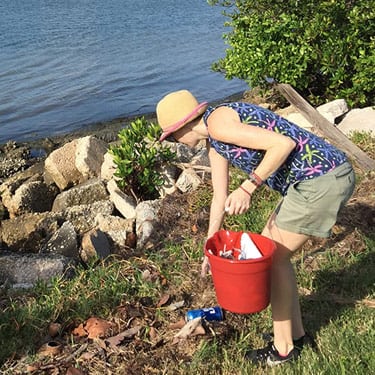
[(311, 158)]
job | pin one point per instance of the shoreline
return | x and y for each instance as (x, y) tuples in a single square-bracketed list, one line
[(105, 130)]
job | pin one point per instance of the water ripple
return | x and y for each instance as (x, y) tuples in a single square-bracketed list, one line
[(65, 65)]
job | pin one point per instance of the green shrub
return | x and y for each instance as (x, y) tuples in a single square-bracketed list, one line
[(138, 156), (324, 48)]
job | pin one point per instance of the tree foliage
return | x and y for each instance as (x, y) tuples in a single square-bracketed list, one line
[(324, 48)]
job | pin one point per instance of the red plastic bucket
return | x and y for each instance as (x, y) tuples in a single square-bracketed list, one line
[(241, 286)]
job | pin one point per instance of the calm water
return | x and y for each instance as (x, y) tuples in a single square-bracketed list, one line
[(65, 64)]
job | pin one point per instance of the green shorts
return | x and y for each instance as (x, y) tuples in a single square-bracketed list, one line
[(311, 206)]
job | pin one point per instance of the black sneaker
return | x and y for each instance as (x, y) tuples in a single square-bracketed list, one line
[(270, 356), (305, 341)]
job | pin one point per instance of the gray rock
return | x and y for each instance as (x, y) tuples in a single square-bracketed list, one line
[(83, 217), (298, 119), (108, 167), (90, 156), (116, 229), (201, 158), (123, 203), (22, 271), (184, 153), (63, 242), (146, 220), (13, 159), (4, 214), (95, 245), (60, 166), (33, 196), (333, 110), (168, 173), (359, 119), (29, 232), (10, 185), (188, 180), (88, 192)]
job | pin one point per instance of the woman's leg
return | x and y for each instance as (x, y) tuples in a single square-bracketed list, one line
[(286, 313)]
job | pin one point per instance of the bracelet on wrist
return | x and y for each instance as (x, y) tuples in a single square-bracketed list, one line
[(246, 191), (255, 179)]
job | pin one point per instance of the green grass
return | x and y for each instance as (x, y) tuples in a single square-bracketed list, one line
[(92, 292), (345, 331), (364, 140)]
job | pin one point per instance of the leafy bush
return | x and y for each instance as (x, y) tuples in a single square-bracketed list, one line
[(324, 48), (138, 156)]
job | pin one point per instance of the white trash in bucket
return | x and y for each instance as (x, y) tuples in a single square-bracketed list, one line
[(248, 248)]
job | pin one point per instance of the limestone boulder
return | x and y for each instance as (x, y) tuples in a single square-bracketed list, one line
[(124, 204), (26, 191), (13, 159), (29, 232), (61, 168), (83, 217), (89, 156), (95, 245), (88, 192), (118, 230), (188, 180), (33, 196), (333, 110), (108, 167), (25, 270), (63, 242), (358, 119), (146, 223)]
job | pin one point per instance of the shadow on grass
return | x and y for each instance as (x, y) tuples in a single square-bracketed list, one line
[(339, 290), (346, 283)]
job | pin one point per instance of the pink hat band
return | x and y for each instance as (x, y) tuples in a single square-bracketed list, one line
[(192, 115)]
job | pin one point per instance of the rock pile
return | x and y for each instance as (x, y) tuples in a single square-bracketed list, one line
[(67, 208)]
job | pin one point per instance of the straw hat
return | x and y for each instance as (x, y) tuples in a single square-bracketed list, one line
[(176, 110)]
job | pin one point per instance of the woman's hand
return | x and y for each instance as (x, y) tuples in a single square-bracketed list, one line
[(205, 266), (238, 202)]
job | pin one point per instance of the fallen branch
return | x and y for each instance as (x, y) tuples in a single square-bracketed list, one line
[(332, 133), (193, 166)]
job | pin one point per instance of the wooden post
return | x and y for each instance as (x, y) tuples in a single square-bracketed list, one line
[(331, 132)]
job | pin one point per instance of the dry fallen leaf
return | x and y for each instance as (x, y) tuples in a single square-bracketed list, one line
[(100, 343), (194, 228), (117, 340), (79, 331), (175, 306), (32, 368), (188, 328), (146, 275), (86, 356), (178, 325), (97, 327), (163, 300), (93, 328), (73, 371), (153, 334), (199, 331)]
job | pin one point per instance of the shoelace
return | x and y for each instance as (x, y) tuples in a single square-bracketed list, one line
[(265, 352)]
